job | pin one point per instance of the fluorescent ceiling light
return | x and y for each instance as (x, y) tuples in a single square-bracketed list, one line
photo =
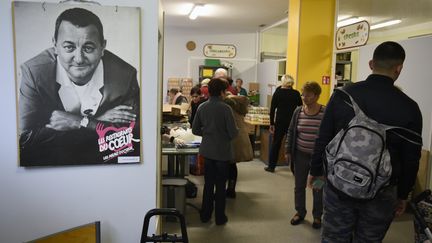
[(348, 21), (196, 11), (385, 24), (343, 17)]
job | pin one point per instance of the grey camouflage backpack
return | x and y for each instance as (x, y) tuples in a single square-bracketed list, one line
[(358, 162)]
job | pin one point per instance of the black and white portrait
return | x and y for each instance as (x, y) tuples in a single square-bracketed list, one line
[(78, 83)]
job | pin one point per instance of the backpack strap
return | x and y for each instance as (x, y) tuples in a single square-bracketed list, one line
[(357, 110), (353, 104), (387, 128)]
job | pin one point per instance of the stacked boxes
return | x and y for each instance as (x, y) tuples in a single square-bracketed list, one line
[(183, 84)]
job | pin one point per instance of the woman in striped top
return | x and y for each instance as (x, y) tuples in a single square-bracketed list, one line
[(300, 142)]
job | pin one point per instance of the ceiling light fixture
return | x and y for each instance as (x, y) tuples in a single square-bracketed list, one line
[(343, 17), (196, 11), (385, 24)]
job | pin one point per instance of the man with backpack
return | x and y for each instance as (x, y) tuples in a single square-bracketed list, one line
[(368, 152)]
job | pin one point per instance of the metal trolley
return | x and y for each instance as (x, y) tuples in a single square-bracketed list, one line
[(164, 237)]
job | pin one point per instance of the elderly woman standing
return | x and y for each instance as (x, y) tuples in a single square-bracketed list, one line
[(300, 142), (241, 143), (285, 100)]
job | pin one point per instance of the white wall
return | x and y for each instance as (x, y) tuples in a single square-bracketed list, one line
[(39, 201), (414, 79), (275, 40), (179, 62)]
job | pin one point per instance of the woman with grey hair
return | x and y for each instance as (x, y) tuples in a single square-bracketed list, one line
[(284, 101)]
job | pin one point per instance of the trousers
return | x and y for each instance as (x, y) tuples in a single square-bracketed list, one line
[(278, 135), (215, 177), (301, 172), (347, 221)]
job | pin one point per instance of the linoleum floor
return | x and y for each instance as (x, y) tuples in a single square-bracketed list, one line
[(262, 210)]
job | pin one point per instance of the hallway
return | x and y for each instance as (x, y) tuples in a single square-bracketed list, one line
[(262, 212)]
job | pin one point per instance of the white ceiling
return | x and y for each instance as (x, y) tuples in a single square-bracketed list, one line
[(228, 15), (247, 15)]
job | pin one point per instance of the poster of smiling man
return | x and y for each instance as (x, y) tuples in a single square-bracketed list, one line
[(78, 89)]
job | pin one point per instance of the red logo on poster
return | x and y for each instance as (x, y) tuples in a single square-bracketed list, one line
[(325, 79)]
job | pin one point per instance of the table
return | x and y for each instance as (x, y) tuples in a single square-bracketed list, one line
[(176, 159), (175, 179)]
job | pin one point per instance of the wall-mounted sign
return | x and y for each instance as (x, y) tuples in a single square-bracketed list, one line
[(325, 79), (218, 50), (352, 35)]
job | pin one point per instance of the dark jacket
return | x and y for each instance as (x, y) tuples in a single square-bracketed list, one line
[(382, 101), (194, 108), (214, 121), (283, 104), (39, 98)]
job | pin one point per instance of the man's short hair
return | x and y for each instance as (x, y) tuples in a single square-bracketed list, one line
[(79, 17), (216, 86), (388, 55)]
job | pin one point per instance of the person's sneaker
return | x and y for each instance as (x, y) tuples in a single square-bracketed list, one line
[(269, 169), (316, 223)]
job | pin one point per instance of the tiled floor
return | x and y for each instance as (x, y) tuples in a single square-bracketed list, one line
[(262, 211)]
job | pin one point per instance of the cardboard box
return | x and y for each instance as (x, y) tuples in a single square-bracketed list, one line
[(253, 86), (266, 143)]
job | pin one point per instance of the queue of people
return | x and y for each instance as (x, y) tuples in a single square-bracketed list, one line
[(311, 129)]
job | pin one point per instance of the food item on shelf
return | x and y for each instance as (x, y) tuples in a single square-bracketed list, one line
[(258, 114)]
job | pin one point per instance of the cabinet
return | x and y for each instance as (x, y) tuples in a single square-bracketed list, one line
[(208, 71)]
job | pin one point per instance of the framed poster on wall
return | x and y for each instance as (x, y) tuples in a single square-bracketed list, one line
[(78, 83)]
